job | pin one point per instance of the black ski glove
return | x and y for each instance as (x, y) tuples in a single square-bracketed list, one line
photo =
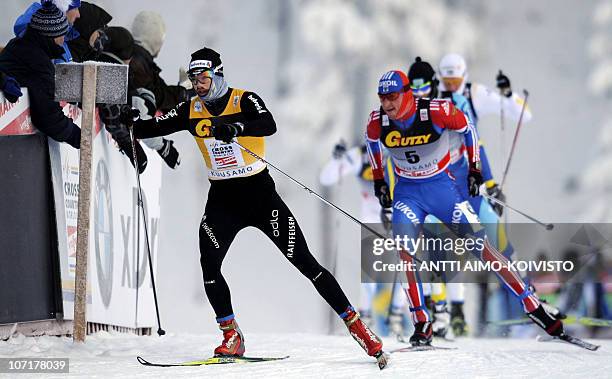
[(339, 150), (503, 83), (115, 114), (474, 179), (497, 193), (226, 132), (125, 146), (382, 192), (169, 154)]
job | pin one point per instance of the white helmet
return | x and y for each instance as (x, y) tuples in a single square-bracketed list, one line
[(452, 66)]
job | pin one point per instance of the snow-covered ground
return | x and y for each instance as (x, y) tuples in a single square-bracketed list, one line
[(114, 355)]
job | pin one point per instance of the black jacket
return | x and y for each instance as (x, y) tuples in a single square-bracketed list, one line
[(145, 74), (256, 118), (92, 18), (28, 60)]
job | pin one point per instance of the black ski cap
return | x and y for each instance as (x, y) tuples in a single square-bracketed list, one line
[(120, 42), (421, 70), (206, 58)]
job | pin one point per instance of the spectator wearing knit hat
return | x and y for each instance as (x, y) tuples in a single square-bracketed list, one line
[(28, 60), (70, 9)]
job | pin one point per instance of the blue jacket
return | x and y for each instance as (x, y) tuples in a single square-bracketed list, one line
[(22, 22)]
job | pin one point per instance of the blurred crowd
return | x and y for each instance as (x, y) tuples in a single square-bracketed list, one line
[(52, 32)]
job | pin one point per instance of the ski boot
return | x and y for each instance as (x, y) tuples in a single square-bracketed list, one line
[(546, 321), (552, 310), (368, 341), (441, 320), (422, 335), (233, 340), (458, 323)]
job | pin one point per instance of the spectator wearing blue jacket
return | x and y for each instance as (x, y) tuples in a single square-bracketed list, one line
[(28, 60), (69, 7)]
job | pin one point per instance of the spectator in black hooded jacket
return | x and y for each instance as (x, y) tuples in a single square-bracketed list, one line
[(89, 44), (118, 48), (28, 60)]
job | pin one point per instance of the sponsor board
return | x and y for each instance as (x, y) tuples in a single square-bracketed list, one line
[(119, 284)]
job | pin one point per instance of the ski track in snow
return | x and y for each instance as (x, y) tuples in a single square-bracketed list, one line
[(107, 355)]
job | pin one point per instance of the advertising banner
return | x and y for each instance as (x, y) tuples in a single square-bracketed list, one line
[(119, 281)]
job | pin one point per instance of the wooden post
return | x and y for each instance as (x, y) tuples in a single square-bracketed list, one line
[(88, 83), (82, 248)]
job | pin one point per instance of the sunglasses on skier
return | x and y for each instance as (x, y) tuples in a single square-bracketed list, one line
[(389, 96), (200, 76), (421, 90)]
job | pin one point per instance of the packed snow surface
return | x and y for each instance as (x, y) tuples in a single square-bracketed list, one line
[(107, 355)]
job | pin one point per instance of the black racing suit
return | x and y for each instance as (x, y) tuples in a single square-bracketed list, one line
[(227, 210)]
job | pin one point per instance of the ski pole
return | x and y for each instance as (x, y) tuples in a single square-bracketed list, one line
[(333, 317), (324, 200), (515, 139), (502, 134), (160, 331), (502, 121), (390, 308), (312, 192), (505, 205)]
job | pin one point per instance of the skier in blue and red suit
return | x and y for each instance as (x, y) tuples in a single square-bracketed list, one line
[(416, 134)]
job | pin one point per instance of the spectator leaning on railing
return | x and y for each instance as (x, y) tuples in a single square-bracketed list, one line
[(28, 60), (69, 7), (118, 49)]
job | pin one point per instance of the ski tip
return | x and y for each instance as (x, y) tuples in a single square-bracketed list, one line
[(569, 339), (141, 360), (382, 359)]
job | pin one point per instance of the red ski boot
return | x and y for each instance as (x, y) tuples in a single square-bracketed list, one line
[(233, 340), (365, 337)]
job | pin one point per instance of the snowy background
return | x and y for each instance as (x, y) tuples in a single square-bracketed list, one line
[(316, 64)]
